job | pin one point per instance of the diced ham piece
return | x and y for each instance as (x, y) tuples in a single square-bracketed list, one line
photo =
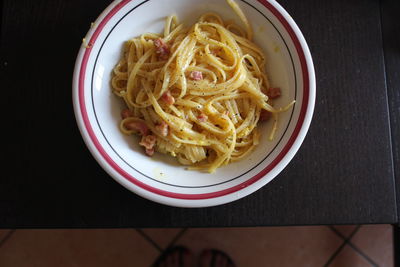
[(148, 142), (126, 113), (215, 51), (274, 92), (162, 128), (162, 49), (149, 152), (139, 126), (265, 115), (202, 117), (196, 75), (168, 98)]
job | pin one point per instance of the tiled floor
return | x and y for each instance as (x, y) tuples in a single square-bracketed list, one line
[(367, 245)]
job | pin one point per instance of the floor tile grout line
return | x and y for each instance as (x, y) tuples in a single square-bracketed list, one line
[(333, 256), (6, 237), (149, 239), (170, 245), (357, 250), (345, 242), (365, 256), (353, 233), (177, 237), (337, 232), (346, 239)]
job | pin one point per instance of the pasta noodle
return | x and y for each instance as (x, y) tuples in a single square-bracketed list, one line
[(196, 93)]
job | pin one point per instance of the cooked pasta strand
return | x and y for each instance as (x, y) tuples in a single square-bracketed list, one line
[(196, 93)]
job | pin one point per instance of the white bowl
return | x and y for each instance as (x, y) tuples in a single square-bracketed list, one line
[(161, 178)]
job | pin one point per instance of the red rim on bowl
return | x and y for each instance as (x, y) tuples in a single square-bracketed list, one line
[(135, 181)]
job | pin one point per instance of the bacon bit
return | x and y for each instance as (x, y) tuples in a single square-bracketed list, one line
[(139, 126), (162, 128), (215, 51), (265, 115), (148, 141), (168, 98), (202, 117), (196, 75), (162, 49), (126, 113), (274, 92), (149, 152)]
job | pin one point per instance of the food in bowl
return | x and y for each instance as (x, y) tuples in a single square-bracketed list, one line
[(161, 178), (196, 93)]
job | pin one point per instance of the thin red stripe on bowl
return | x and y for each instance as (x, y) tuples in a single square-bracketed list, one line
[(135, 181)]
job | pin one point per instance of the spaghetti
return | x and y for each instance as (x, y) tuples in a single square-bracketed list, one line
[(196, 93)]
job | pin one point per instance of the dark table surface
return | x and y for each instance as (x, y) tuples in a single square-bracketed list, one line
[(344, 173)]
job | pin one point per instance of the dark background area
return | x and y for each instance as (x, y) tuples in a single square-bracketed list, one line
[(344, 173)]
